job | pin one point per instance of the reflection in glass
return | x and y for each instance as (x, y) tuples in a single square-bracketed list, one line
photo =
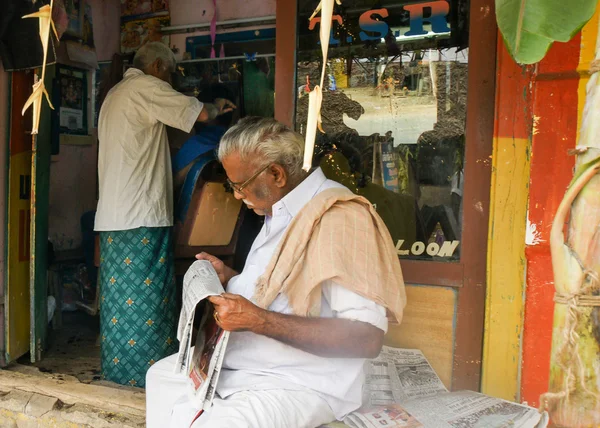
[(394, 123)]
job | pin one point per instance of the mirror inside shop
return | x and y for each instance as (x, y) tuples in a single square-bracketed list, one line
[(393, 116)]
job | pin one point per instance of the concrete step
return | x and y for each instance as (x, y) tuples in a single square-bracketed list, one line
[(29, 398)]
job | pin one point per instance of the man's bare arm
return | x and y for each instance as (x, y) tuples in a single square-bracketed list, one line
[(211, 111), (325, 337)]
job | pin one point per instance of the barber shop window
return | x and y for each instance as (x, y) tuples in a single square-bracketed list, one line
[(394, 113)]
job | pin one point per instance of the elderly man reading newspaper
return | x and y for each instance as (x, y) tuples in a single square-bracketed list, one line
[(310, 306)]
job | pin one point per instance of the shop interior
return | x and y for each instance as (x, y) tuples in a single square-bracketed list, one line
[(394, 115)]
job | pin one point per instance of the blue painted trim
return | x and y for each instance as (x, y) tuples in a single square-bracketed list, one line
[(190, 184), (239, 36)]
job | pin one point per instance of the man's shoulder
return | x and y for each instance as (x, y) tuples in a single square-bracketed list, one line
[(340, 200), (142, 84), (330, 184)]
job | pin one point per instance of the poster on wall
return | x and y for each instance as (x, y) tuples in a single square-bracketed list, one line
[(60, 17), (73, 96), (87, 37), (74, 20), (75, 11), (138, 32), (143, 8)]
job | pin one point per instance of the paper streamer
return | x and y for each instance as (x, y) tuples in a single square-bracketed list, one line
[(213, 30), (315, 97), (44, 16)]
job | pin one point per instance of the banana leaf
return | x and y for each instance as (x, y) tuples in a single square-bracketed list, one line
[(529, 27)]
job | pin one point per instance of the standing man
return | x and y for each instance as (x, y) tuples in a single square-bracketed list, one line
[(135, 213)]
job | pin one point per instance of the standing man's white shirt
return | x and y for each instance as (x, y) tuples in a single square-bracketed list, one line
[(134, 164), (257, 363)]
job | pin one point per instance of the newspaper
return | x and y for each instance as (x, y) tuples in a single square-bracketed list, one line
[(383, 416), (468, 409), (397, 375), (202, 362), (403, 390)]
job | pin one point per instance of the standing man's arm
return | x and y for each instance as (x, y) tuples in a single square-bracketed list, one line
[(179, 111), (211, 111)]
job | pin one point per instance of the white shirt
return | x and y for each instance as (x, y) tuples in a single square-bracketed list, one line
[(257, 362), (134, 162)]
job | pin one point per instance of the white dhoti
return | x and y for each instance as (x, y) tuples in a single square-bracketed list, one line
[(168, 405)]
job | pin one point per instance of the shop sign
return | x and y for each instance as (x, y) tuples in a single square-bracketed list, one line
[(432, 249), (375, 28)]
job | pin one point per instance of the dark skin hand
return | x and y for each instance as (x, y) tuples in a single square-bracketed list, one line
[(325, 337), (223, 106), (224, 272)]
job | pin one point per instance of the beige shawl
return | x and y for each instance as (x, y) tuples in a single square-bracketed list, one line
[(337, 236)]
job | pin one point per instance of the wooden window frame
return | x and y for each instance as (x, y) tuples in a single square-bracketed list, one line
[(469, 274)]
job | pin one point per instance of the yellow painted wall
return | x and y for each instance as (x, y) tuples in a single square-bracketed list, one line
[(18, 259), (589, 36), (506, 268)]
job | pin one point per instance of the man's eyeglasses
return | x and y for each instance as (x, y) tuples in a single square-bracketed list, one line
[(240, 187)]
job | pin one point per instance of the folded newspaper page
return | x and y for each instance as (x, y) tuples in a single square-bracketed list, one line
[(403, 390), (383, 416), (202, 362), (468, 409), (397, 375)]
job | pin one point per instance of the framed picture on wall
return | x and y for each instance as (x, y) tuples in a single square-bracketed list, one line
[(143, 8), (75, 11), (72, 110)]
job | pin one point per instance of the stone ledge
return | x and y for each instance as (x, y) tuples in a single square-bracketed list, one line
[(120, 401), (76, 416), (39, 405), (15, 401)]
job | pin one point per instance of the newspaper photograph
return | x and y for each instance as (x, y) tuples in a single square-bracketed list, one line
[(207, 357), (200, 281), (201, 362), (397, 375), (382, 416)]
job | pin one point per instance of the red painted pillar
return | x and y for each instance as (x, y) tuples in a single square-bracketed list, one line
[(555, 112)]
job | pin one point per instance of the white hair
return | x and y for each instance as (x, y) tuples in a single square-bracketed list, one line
[(152, 51), (267, 141)]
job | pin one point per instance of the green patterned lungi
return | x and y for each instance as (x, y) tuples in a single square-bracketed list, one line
[(138, 308)]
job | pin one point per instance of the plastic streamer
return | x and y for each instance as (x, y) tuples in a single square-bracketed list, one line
[(44, 15), (315, 97)]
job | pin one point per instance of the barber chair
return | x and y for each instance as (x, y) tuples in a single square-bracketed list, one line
[(207, 215)]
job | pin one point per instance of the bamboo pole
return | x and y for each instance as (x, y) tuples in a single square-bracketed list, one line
[(573, 399)]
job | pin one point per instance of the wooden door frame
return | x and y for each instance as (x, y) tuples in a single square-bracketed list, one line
[(469, 274), (5, 105)]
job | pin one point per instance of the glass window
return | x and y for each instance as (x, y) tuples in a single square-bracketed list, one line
[(394, 113)]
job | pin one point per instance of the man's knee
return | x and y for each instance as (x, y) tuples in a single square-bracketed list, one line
[(162, 369)]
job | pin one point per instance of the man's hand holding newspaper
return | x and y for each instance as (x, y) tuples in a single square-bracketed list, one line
[(204, 364), (235, 313)]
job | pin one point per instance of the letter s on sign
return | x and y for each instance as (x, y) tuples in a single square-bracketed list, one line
[(367, 23)]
